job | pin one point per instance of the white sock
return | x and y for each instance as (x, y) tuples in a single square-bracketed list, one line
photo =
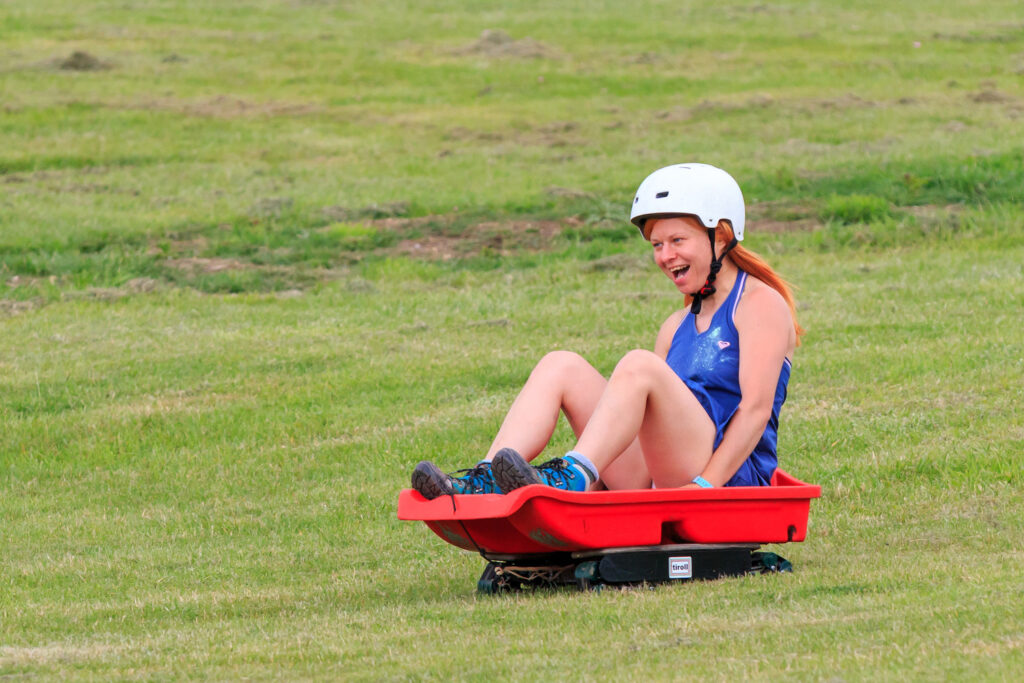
[(583, 464)]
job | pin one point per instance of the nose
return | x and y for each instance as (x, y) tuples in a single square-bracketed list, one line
[(665, 254)]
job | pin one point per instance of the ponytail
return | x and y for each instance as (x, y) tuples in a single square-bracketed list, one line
[(748, 261)]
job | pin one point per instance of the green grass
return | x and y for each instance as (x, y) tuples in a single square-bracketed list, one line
[(274, 253)]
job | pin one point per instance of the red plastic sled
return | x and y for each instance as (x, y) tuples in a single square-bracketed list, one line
[(539, 519)]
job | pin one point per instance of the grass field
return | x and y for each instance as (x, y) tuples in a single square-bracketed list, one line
[(259, 258)]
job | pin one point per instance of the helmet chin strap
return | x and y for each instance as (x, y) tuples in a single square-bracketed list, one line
[(716, 265)]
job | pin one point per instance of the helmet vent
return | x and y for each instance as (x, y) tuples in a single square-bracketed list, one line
[(661, 195)]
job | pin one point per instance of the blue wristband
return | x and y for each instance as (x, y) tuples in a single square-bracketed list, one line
[(702, 482)]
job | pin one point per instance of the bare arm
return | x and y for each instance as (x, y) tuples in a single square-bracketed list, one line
[(767, 338), (667, 331)]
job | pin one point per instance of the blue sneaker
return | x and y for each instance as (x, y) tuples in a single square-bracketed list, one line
[(431, 482), (511, 472)]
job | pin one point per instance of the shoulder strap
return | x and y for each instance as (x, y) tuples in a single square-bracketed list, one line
[(736, 293)]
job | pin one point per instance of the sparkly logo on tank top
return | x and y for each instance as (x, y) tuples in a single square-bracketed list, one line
[(723, 345)]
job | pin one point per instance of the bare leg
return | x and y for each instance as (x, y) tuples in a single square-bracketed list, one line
[(628, 471), (645, 399), (561, 381)]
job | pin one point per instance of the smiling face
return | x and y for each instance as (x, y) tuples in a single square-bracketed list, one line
[(682, 251)]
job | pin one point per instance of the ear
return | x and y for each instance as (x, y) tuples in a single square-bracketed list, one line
[(723, 235)]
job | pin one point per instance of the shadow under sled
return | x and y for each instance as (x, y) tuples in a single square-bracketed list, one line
[(538, 535)]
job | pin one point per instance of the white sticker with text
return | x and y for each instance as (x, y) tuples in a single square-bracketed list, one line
[(680, 568)]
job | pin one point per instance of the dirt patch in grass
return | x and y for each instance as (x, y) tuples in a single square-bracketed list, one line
[(619, 263), (9, 307), (270, 207), (846, 102), (989, 96), (233, 259), (934, 210), (782, 216), (431, 248), (774, 226), (460, 134), (194, 265), (495, 43), (495, 237), (226, 107), (56, 653), (557, 134), (446, 237), (567, 192), (373, 211), (1010, 34), (82, 61)]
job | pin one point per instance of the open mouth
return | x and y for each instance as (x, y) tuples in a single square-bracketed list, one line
[(680, 271)]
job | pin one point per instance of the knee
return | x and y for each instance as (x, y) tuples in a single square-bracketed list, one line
[(637, 365), (561, 363)]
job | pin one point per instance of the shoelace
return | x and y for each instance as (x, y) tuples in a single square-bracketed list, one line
[(475, 478), (451, 496), (558, 469)]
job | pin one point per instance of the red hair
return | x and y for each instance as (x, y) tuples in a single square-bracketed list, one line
[(750, 262)]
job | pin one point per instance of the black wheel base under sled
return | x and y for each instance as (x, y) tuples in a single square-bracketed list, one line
[(627, 566)]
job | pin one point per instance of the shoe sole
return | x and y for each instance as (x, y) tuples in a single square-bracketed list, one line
[(430, 481), (512, 472)]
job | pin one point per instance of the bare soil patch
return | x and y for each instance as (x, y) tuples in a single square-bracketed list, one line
[(845, 102), (431, 248), (781, 216), (567, 192), (11, 307), (989, 96), (495, 43), (373, 211), (270, 207), (619, 263), (226, 107), (445, 241), (774, 226), (499, 237), (82, 61), (194, 265), (552, 135), (57, 653)]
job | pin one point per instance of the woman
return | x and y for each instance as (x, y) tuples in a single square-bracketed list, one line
[(702, 410)]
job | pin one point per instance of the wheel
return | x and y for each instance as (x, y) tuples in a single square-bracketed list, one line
[(586, 573), (488, 583)]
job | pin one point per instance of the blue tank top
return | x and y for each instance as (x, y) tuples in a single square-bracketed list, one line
[(709, 364)]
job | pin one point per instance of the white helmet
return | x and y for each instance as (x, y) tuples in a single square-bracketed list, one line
[(705, 192)]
